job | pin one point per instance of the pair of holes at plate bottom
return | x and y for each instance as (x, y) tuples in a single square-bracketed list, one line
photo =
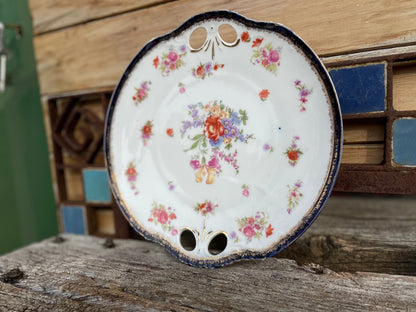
[(216, 246)]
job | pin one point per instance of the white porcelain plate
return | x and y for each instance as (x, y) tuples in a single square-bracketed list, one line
[(226, 151)]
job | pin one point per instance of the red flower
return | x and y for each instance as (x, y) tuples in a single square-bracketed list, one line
[(147, 129), (172, 216), (162, 217), (216, 66), (203, 206), (172, 66), (245, 36), (250, 221), (156, 62), (264, 94), (169, 132), (257, 42), (131, 171), (293, 155), (213, 128), (150, 219), (200, 71), (269, 230)]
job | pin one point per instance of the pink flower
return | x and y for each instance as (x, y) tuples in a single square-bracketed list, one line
[(182, 89), (288, 210), (142, 93), (302, 109), (273, 56), (265, 62), (162, 217), (304, 92), (166, 62), (249, 231), (195, 164), (264, 53), (172, 56), (257, 226), (246, 193), (297, 82), (213, 163), (174, 232)]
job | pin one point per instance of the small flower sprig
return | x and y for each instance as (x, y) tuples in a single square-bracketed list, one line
[(293, 152), (293, 195), (303, 93)]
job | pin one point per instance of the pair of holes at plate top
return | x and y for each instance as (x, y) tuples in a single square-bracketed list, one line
[(216, 246), (198, 37)]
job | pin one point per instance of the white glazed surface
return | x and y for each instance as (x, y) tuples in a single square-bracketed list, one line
[(164, 175)]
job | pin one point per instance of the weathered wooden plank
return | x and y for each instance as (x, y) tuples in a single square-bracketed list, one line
[(363, 131), (362, 154), (361, 233), (80, 274), (49, 15), (73, 59), (404, 91)]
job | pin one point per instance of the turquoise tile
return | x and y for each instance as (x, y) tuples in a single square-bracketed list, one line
[(96, 188), (404, 141), (73, 219), (361, 89)]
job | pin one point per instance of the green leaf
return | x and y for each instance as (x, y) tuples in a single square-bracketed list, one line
[(197, 137), (228, 146), (222, 106), (194, 145)]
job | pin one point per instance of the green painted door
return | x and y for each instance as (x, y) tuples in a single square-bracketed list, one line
[(27, 208)]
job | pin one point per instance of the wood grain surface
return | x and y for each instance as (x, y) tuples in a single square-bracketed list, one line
[(81, 274), (50, 15), (95, 54)]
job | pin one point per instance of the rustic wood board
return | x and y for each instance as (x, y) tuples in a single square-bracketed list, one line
[(361, 233), (81, 274), (72, 59), (49, 15)]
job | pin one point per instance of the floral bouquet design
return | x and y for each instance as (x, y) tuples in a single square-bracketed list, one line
[(303, 93), (293, 152), (205, 208), (160, 215), (265, 55), (219, 128), (170, 61), (293, 196), (254, 227)]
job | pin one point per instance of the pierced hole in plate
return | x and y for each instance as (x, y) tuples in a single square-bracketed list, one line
[(187, 240), (218, 244), (227, 33), (198, 38)]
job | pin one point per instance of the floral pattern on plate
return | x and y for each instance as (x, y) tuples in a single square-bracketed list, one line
[(253, 227), (131, 175), (293, 195), (147, 131), (170, 61), (293, 152), (142, 92), (218, 129), (205, 208), (264, 94), (160, 215), (245, 191), (303, 93), (206, 70), (264, 54)]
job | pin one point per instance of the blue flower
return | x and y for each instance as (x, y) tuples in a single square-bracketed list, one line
[(234, 119), (241, 138), (182, 48), (216, 143)]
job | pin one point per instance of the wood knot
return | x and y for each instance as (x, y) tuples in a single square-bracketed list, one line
[(109, 243), (314, 268), (58, 240), (12, 276)]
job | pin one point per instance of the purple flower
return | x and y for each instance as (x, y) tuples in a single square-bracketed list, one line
[(171, 187), (190, 106), (208, 67), (233, 235), (187, 124), (197, 123), (144, 85), (304, 92), (194, 113), (298, 184), (226, 122), (182, 48), (297, 82), (266, 147), (296, 137)]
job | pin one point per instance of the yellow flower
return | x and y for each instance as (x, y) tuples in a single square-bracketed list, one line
[(224, 114), (227, 141), (199, 174), (215, 110), (211, 175)]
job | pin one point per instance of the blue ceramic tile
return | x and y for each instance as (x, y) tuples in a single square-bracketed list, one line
[(404, 141), (73, 219), (360, 89), (96, 188)]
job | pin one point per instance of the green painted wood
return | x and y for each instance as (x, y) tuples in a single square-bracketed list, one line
[(27, 208)]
